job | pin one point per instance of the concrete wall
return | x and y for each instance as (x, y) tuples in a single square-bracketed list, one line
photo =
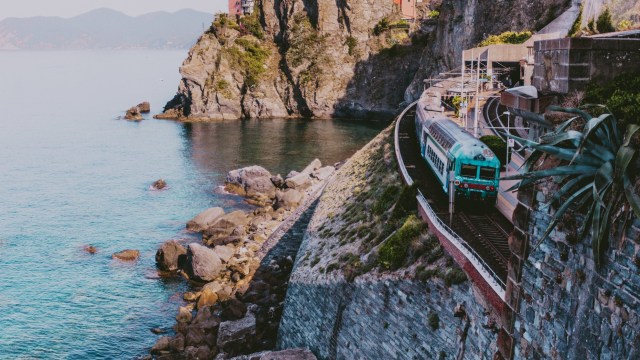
[(564, 65)]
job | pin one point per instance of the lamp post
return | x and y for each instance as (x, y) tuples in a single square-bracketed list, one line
[(509, 144)]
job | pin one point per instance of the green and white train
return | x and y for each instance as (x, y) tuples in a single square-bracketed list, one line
[(446, 147)]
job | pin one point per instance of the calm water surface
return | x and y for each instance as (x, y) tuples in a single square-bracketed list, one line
[(71, 174)]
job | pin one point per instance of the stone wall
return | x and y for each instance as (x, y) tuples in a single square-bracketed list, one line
[(564, 65), (566, 307), (385, 318)]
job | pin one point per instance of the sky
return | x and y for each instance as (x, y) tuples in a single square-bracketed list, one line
[(69, 8)]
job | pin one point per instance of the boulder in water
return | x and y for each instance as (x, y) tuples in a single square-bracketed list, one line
[(171, 256), (159, 184), (127, 255), (90, 249), (205, 219), (203, 264), (254, 182), (144, 107), (133, 114)]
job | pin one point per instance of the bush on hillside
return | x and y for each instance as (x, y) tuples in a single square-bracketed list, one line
[(604, 23), (621, 96), (507, 37), (394, 251)]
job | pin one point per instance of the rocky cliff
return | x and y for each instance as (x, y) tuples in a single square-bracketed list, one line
[(327, 58)]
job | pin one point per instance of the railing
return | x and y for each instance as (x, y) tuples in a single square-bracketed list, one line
[(480, 265), (396, 142)]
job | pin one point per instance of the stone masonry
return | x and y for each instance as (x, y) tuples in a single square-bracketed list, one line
[(566, 307)]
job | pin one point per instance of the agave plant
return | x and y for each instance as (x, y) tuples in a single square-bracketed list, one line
[(595, 172)]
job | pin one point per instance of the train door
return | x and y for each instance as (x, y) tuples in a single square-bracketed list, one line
[(423, 144)]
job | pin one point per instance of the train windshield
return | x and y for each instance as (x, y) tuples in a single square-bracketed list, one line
[(487, 173), (469, 171)]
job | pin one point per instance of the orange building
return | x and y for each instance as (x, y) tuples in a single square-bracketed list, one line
[(235, 7), (407, 8)]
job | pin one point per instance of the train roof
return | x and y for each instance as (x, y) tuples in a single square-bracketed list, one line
[(457, 141)]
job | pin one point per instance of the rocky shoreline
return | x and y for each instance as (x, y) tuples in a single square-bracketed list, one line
[(239, 273)]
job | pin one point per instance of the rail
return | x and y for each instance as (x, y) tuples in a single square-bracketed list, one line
[(480, 265), (396, 142)]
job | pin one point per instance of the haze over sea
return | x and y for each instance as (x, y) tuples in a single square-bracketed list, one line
[(71, 174)]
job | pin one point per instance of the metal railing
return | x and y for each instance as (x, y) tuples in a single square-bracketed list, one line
[(497, 285)]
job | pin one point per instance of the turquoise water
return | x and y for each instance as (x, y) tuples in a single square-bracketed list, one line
[(71, 174)]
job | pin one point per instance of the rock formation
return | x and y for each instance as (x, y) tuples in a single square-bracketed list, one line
[(170, 256), (205, 219), (144, 107), (159, 184), (133, 114), (326, 58), (126, 255)]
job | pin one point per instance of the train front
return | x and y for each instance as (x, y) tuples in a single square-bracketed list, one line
[(477, 171)]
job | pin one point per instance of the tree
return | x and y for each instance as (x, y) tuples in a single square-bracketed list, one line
[(596, 172), (604, 23)]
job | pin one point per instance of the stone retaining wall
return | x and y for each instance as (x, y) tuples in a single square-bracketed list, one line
[(567, 308)]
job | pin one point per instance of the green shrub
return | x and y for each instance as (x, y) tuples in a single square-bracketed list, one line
[(332, 267), (393, 252), (352, 45), (498, 146), (625, 25), (250, 25), (406, 203), (454, 277), (434, 321), (251, 56), (385, 200), (604, 23), (426, 274), (575, 28), (381, 26), (433, 14), (621, 96), (507, 37)]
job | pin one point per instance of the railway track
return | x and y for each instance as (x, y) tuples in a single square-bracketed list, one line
[(484, 228)]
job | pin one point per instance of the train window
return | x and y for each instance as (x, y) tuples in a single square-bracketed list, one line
[(487, 173), (469, 171)]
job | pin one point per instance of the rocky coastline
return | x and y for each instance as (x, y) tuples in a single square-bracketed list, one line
[(238, 272)]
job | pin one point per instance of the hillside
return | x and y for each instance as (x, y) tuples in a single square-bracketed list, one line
[(326, 58), (104, 29)]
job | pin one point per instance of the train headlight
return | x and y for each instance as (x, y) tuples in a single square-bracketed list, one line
[(489, 188), (466, 186), (456, 183)]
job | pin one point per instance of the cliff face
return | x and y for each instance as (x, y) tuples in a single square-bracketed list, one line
[(328, 58)]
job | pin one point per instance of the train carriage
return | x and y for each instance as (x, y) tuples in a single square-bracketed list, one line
[(445, 147)]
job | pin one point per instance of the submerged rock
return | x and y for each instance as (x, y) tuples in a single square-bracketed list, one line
[(161, 345), (126, 255), (171, 256), (203, 264), (205, 219), (90, 249), (159, 184)]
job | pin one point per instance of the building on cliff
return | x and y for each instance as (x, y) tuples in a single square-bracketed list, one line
[(240, 7), (407, 8)]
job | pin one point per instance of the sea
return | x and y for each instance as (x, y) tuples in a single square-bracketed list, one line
[(73, 174)]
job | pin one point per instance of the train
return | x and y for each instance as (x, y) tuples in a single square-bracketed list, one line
[(446, 147)]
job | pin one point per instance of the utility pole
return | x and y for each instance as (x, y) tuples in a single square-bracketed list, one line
[(475, 120)]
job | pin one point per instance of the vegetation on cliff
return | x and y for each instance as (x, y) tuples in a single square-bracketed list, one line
[(507, 37), (596, 173), (367, 222)]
